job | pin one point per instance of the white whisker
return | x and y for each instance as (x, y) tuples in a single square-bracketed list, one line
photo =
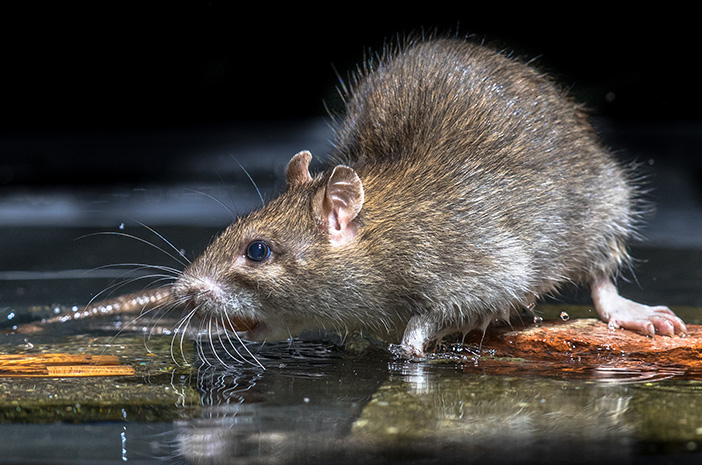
[(238, 357), (250, 179), (157, 309), (231, 325), (212, 197), (118, 285), (160, 236), (180, 328), (209, 337), (137, 238)]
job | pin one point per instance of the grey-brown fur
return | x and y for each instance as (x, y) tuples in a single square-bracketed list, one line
[(483, 188)]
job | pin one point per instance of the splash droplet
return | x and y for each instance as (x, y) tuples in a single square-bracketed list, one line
[(538, 319), (565, 316)]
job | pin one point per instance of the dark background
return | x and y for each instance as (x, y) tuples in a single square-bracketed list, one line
[(77, 72), (161, 63)]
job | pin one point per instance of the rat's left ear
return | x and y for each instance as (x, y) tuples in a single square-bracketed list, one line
[(341, 204), (298, 170)]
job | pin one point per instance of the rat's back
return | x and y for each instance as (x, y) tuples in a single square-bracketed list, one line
[(490, 148)]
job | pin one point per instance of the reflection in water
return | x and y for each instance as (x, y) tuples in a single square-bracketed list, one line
[(443, 412), (302, 405), (315, 404)]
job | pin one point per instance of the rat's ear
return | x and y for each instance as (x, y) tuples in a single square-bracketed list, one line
[(298, 170), (341, 204)]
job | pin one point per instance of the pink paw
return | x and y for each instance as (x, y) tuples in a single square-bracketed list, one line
[(648, 320), (619, 312)]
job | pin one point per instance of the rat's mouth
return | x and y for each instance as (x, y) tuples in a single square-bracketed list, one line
[(238, 324), (248, 328)]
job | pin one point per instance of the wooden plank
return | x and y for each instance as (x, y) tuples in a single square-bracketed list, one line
[(57, 359), (61, 365), (90, 370)]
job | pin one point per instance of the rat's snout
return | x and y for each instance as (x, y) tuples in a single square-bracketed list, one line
[(208, 298), (198, 293)]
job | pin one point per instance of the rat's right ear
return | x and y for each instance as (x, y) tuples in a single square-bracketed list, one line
[(298, 170), (340, 205)]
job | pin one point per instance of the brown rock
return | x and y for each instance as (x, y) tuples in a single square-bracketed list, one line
[(587, 347)]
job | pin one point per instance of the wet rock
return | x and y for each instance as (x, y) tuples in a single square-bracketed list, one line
[(592, 338), (586, 346)]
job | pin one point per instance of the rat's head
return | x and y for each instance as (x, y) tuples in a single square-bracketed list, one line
[(278, 270)]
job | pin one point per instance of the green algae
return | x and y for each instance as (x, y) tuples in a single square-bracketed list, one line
[(160, 390)]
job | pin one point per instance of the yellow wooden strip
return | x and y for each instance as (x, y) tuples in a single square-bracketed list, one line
[(90, 370), (58, 359), (61, 365), (33, 370)]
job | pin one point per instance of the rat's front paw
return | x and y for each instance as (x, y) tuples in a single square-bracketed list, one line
[(420, 330), (407, 352)]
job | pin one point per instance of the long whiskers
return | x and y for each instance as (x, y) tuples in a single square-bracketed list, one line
[(181, 329), (232, 344), (211, 341), (215, 341), (160, 236), (154, 278), (158, 310), (140, 239), (246, 172)]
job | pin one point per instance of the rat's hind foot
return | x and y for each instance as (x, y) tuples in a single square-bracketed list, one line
[(619, 312)]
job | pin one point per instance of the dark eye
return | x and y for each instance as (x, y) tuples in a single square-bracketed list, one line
[(258, 251)]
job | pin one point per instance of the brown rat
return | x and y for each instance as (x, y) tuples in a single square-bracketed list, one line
[(466, 186)]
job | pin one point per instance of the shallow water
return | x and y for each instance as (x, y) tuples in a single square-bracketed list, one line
[(314, 402)]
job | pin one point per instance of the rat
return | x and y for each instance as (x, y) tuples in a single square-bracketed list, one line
[(465, 185)]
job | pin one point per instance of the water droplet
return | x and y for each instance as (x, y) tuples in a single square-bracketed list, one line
[(565, 316), (11, 315), (121, 226), (538, 319)]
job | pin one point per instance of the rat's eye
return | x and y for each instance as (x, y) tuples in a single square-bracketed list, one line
[(258, 251)]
